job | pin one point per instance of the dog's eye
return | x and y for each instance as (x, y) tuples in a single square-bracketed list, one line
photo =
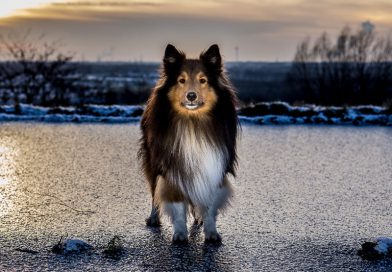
[(202, 80), (182, 80)]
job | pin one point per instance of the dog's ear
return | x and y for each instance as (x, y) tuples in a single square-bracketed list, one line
[(173, 57), (212, 58)]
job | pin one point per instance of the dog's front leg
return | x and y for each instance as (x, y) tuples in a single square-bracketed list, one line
[(177, 212), (209, 221), (222, 196)]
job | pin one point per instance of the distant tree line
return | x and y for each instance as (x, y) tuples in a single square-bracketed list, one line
[(355, 68)]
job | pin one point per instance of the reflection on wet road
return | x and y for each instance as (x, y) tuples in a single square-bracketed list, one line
[(306, 198), (8, 152)]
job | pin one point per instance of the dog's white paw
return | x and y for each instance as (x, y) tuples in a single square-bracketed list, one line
[(180, 238), (213, 238)]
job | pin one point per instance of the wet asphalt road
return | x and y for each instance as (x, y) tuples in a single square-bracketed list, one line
[(306, 198)]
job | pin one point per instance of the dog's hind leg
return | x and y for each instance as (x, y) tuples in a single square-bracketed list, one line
[(198, 220), (224, 192), (153, 220)]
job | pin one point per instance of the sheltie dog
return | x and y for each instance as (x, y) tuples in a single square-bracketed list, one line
[(188, 145)]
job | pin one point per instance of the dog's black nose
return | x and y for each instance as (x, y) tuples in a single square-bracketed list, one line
[(191, 96)]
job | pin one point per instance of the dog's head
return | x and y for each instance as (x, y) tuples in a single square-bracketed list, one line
[(191, 80)]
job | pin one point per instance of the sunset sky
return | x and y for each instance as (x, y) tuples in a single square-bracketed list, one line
[(132, 30)]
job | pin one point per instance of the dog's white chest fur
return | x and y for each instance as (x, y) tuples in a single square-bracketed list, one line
[(206, 162)]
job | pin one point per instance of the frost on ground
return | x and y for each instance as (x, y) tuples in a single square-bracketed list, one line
[(261, 113), (376, 250)]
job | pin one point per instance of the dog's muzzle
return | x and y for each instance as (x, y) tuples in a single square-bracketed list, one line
[(192, 101)]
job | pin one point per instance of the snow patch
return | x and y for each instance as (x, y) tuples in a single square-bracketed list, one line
[(376, 250), (86, 113), (71, 245), (384, 245), (283, 113)]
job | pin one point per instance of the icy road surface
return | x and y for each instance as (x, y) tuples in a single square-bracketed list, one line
[(306, 198)]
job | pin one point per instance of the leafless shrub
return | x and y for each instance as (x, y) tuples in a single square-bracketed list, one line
[(34, 70), (356, 69)]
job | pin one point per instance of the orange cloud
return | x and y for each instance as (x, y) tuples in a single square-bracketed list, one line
[(263, 29)]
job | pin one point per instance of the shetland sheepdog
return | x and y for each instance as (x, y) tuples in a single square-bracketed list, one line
[(188, 145)]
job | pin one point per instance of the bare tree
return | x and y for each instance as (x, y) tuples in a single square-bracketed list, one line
[(356, 69), (33, 70)]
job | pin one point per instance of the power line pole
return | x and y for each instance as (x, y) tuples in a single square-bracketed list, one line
[(236, 49)]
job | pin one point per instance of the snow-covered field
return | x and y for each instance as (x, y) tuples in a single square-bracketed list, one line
[(261, 113)]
